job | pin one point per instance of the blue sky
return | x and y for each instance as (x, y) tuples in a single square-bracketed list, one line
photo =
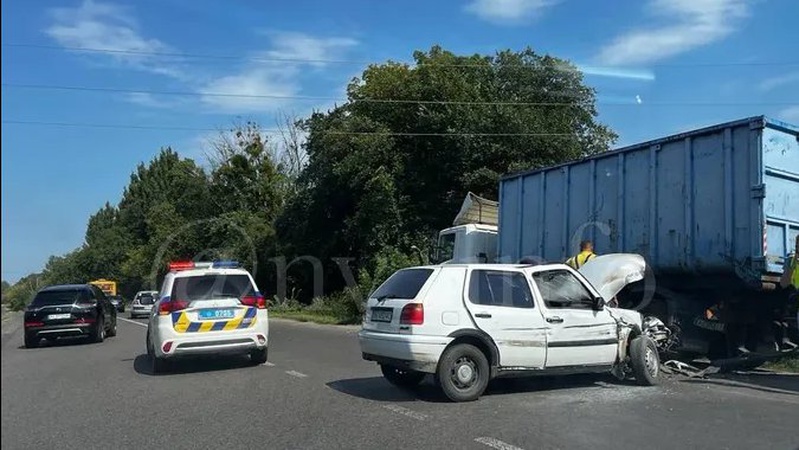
[(709, 60)]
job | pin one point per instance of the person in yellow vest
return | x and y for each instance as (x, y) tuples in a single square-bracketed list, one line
[(585, 255), (790, 279)]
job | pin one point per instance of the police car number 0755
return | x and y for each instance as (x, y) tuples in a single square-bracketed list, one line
[(211, 314)]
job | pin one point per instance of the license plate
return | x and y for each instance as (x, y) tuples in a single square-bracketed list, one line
[(213, 314), (382, 314), (58, 316)]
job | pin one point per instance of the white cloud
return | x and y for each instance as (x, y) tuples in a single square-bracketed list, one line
[(693, 24), (772, 83), (149, 100), (256, 86), (274, 79), (109, 27), (300, 47), (273, 85), (789, 114), (508, 12)]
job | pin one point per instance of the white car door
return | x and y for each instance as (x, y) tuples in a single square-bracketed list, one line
[(577, 334), (501, 303)]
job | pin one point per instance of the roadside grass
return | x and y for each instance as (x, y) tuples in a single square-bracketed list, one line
[(343, 308), (305, 316), (788, 363)]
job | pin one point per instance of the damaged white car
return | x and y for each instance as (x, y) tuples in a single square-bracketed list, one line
[(469, 323)]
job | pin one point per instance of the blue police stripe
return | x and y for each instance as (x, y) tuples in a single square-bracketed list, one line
[(250, 313), (219, 326), (193, 327)]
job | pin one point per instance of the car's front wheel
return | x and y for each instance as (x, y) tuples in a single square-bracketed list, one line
[(401, 377), (463, 373), (644, 361)]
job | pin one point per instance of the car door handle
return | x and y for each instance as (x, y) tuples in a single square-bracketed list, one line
[(554, 319), (483, 315)]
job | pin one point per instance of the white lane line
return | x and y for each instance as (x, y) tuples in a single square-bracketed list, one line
[(294, 373), (268, 364), (406, 412), (141, 324), (496, 443)]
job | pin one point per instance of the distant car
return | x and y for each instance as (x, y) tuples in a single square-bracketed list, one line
[(143, 303), (69, 310), (468, 323), (208, 308), (118, 302)]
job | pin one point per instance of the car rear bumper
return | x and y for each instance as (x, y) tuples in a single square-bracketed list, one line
[(68, 329), (415, 352), (213, 345)]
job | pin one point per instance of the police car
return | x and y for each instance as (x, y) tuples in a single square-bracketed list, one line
[(211, 308)]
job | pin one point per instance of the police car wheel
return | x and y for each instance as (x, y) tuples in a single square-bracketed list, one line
[(259, 356)]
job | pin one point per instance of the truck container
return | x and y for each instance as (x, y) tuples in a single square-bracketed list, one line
[(713, 211)]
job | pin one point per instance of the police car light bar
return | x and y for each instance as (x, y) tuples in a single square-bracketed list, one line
[(226, 264), (175, 266)]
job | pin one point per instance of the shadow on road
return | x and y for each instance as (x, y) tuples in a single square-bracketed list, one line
[(380, 390), (191, 365), (764, 382), (60, 342)]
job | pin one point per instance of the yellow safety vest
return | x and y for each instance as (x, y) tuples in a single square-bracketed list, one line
[(578, 261), (795, 274)]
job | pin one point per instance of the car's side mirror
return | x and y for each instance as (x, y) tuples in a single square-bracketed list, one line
[(599, 303)]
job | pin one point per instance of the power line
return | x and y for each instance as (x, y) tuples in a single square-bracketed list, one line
[(345, 133), (342, 61), (371, 100)]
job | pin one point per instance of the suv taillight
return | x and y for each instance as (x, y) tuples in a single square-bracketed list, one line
[(257, 301), (170, 306), (412, 314)]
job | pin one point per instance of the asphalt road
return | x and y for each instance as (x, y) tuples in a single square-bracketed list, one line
[(316, 393)]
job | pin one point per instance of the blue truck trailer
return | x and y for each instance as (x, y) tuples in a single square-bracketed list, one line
[(714, 211)]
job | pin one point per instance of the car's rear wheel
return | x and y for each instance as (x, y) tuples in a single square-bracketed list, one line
[(157, 365), (98, 334), (259, 356), (31, 341), (644, 361), (463, 373), (113, 330), (401, 377)]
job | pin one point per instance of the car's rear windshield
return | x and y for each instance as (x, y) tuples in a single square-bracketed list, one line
[(60, 297), (146, 299), (217, 286), (404, 284)]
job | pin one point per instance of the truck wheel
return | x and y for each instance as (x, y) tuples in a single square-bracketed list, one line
[(644, 361), (463, 373), (401, 377)]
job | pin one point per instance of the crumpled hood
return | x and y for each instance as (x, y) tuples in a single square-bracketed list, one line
[(609, 274)]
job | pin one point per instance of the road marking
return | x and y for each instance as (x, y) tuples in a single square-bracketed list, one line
[(141, 324), (406, 412), (294, 373), (496, 443), (268, 364)]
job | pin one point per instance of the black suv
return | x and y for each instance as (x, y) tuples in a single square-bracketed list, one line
[(69, 310)]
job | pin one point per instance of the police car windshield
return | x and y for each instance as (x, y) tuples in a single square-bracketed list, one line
[(211, 287)]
